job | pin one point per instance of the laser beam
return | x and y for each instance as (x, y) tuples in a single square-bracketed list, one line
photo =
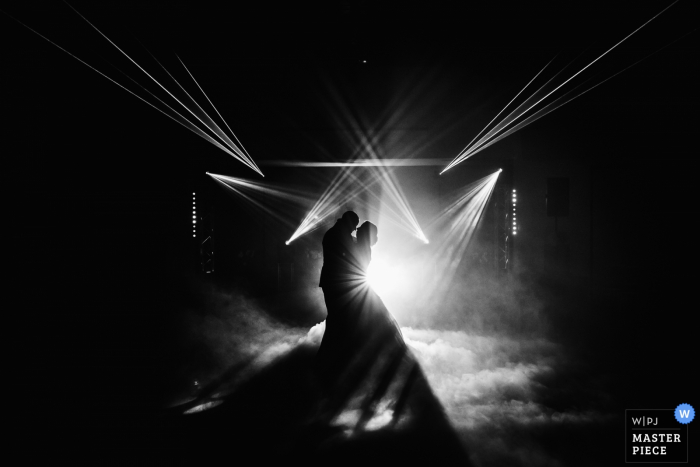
[(232, 149), (484, 141)]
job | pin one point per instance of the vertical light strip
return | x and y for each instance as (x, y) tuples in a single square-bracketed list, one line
[(514, 200), (194, 214)]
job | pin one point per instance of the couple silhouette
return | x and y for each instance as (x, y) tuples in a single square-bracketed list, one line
[(362, 341)]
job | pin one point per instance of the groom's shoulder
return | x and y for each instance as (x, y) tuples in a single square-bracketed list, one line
[(330, 233)]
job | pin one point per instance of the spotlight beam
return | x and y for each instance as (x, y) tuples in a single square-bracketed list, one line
[(348, 186), (464, 198), (255, 203), (397, 197), (458, 223), (400, 199), (296, 196), (342, 114)]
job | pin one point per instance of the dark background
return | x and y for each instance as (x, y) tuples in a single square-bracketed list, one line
[(99, 184)]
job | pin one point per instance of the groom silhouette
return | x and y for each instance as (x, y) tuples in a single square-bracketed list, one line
[(338, 277), (338, 257)]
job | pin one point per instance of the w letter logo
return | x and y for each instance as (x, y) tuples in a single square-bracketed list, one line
[(684, 413)]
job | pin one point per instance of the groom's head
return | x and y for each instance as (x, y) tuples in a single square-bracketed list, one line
[(350, 221)]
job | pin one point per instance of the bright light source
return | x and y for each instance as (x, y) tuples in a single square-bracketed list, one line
[(382, 278), (515, 233), (194, 222), (287, 242)]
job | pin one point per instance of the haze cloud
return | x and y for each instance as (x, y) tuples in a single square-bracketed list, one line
[(493, 392), (495, 387), (232, 330)]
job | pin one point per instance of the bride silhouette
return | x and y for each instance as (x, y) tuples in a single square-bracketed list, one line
[(377, 327)]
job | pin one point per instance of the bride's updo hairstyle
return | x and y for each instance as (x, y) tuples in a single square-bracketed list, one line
[(367, 233)]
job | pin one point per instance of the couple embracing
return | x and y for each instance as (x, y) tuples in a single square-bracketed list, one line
[(360, 331)]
